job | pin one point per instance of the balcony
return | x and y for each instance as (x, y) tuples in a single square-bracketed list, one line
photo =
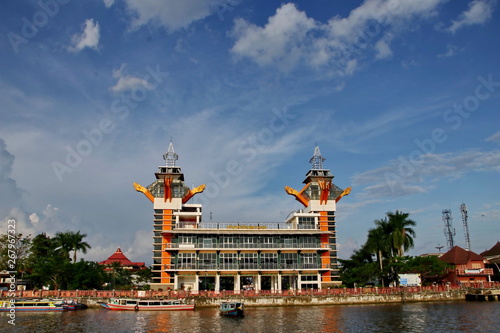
[(221, 246), (245, 266), (474, 272), (245, 226)]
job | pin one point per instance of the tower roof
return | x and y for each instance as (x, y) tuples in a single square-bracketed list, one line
[(317, 160), (317, 172), (170, 156), (118, 256)]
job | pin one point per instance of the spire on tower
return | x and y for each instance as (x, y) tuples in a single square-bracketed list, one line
[(317, 160), (170, 156)]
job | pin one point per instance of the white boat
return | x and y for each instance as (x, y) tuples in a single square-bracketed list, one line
[(131, 304)]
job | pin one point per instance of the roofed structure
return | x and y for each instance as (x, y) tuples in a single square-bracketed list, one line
[(469, 266), (125, 263)]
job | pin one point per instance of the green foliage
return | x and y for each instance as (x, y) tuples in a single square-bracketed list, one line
[(19, 247), (49, 263), (387, 242)]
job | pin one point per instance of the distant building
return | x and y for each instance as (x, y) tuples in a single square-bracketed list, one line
[(493, 256), (469, 266), (125, 263), (189, 253)]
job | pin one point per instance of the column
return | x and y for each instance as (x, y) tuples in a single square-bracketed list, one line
[(217, 283), (176, 281), (257, 285), (196, 283), (237, 286), (279, 282)]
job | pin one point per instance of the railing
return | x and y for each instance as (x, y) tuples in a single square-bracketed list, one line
[(245, 293), (245, 225), (245, 266), (478, 271), (201, 245)]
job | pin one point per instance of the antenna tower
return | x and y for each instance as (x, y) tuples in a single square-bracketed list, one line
[(449, 231), (463, 209)]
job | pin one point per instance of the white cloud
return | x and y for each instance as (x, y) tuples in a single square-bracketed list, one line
[(494, 138), (174, 14), (281, 39), (127, 82), (34, 218), (382, 49), (290, 37), (479, 12), (108, 3), (88, 38), (420, 174), (451, 51)]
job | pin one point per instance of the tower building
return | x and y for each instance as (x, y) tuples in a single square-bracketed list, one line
[(192, 254)]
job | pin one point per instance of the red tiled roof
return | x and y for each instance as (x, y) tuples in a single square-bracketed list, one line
[(459, 256), (120, 257), (494, 251)]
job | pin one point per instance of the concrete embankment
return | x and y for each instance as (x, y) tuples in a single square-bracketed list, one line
[(309, 300)]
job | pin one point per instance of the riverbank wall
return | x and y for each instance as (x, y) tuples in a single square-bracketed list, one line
[(401, 296)]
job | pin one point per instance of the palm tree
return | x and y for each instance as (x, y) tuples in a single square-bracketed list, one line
[(402, 233), (378, 241), (71, 241)]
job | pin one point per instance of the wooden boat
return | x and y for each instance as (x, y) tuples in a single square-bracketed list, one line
[(32, 305), (130, 304), (231, 309)]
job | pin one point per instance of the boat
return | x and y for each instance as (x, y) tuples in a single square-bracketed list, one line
[(131, 304), (231, 309), (71, 304), (32, 305)]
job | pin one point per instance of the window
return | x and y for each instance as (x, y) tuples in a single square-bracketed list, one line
[(228, 261), (186, 261), (248, 261), (186, 239), (248, 242), (268, 260), (268, 242), (289, 260), (309, 260), (207, 261), (288, 242), (229, 242)]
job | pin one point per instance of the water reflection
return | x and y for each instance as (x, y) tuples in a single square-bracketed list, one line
[(383, 318)]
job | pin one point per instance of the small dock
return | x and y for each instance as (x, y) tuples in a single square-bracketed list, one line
[(483, 295)]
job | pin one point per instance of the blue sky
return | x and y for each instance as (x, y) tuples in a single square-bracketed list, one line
[(401, 97)]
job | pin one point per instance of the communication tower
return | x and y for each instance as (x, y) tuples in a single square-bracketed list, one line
[(463, 209), (449, 231)]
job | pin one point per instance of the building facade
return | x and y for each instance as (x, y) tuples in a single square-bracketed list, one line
[(469, 267), (192, 254)]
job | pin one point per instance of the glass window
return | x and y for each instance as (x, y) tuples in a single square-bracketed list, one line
[(228, 261), (186, 261), (268, 260), (289, 260), (248, 260)]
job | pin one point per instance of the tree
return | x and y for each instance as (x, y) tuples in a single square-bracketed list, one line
[(430, 268), (401, 232), (47, 266), (72, 241), (14, 247)]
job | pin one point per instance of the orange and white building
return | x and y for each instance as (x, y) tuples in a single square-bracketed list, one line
[(192, 254)]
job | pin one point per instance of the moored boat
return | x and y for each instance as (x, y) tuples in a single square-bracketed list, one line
[(131, 304), (32, 305), (231, 309)]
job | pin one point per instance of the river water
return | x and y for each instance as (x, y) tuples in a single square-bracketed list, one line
[(402, 317)]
